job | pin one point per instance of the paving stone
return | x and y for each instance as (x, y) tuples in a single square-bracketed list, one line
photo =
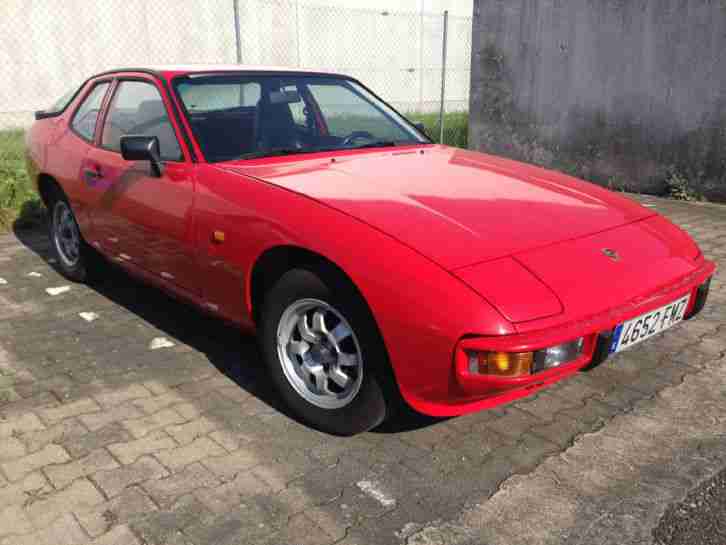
[(120, 535), (241, 526), (235, 394), (335, 527), (592, 412), (109, 416), (230, 464), (191, 478), (188, 410), (222, 498), (199, 449), (547, 405), (303, 531), (156, 387), (227, 530), (20, 424), (276, 475), (204, 387), (622, 398), (79, 497), (113, 482), (165, 527), (152, 405), (24, 491), (11, 448), (127, 453), (186, 433), (121, 395), (514, 423), (84, 444), (14, 521), (140, 427), (68, 410), (66, 431), (98, 460), (231, 440), (562, 431), (131, 505), (64, 531), (57, 384), (51, 454)]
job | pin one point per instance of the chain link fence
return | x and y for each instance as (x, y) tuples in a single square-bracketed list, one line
[(48, 47)]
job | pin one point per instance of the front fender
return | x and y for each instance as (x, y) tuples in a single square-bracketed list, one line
[(421, 310)]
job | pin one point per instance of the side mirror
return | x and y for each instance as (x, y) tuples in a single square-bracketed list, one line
[(143, 148), (421, 127)]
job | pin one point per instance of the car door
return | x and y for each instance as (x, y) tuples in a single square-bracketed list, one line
[(68, 151), (144, 219)]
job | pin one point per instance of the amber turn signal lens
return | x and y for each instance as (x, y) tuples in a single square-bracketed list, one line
[(502, 364)]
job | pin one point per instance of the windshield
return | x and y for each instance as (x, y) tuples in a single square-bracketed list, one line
[(237, 116)]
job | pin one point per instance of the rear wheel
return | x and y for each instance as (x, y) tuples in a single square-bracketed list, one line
[(71, 251), (324, 352)]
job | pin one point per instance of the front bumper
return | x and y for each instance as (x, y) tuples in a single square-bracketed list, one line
[(481, 391)]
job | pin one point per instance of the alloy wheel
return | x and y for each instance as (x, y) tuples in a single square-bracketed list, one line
[(319, 353), (66, 237)]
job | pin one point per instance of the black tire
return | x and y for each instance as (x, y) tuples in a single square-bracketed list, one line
[(77, 270), (367, 409)]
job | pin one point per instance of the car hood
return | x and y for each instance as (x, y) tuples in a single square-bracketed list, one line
[(454, 206)]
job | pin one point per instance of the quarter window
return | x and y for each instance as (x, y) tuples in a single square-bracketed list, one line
[(137, 108), (84, 120)]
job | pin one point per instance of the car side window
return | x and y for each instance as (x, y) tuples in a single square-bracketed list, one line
[(84, 120), (138, 109)]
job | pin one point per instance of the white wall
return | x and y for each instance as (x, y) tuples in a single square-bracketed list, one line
[(393, 46)]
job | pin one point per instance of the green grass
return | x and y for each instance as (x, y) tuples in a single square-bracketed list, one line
[(456, 127), (19, 204)]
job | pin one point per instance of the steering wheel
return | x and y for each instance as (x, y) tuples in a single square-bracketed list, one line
[(356, 135)]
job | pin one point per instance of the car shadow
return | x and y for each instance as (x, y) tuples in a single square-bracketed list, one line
[(232, 352)]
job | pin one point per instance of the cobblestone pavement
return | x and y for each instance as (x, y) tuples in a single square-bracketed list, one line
[(129, 418)]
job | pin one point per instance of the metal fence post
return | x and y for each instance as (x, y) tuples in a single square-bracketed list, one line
[(237, 36), (443, 76), (297, 30)]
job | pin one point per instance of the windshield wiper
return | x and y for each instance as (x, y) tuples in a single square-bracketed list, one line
[(278, 152), (376, 144), (275, 152)]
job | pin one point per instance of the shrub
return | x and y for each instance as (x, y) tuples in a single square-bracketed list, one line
[(456, 127), (18, 200)]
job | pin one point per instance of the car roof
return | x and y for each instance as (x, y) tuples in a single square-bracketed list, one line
[(169, 69)]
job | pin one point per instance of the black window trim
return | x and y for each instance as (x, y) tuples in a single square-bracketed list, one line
[(118, 72), (44, 114), (117, 83), (107, 81)]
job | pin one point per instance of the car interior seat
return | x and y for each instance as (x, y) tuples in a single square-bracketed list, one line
[(275, 126)]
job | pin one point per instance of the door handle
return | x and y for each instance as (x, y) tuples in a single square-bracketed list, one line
[(91, 174)]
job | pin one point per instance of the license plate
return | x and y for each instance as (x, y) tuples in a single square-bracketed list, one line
[(645, 326)]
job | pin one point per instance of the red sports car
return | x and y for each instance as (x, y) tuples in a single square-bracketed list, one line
[(375, 265)]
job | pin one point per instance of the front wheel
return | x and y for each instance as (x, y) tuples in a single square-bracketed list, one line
[(323, 352)]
